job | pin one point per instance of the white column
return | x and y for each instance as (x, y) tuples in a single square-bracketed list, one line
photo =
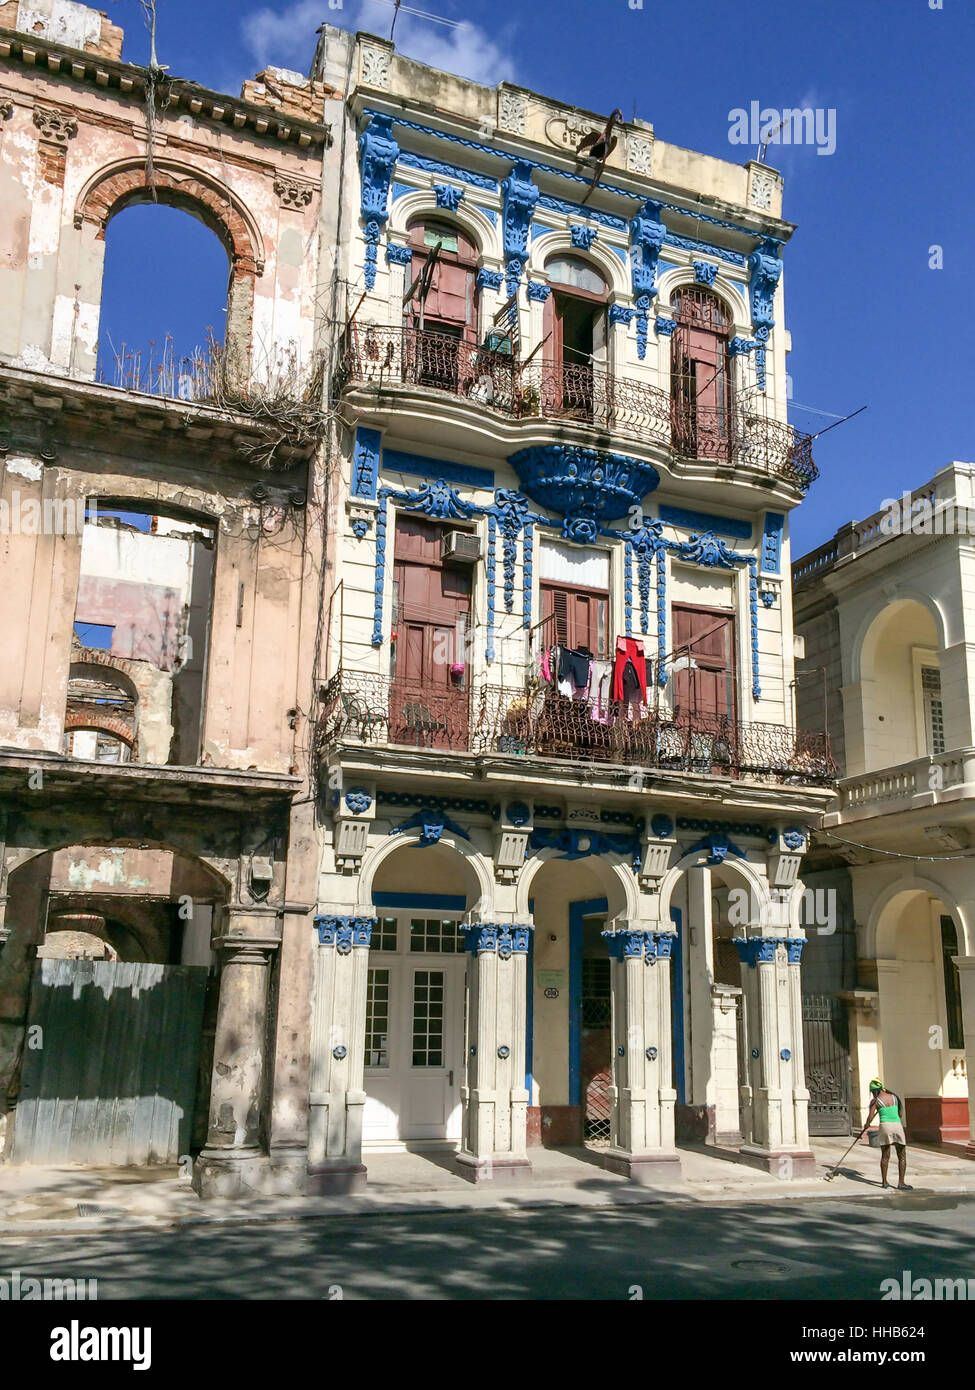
[(724, 1053), (775, 1101), (642, 1092), (966, 978), (338, 1028), (495, 1101), (698, 981)]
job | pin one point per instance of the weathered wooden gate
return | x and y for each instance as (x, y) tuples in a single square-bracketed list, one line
[(110, 1066), (827, 1052)]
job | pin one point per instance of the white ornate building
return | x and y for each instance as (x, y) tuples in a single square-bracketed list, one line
[(886, 611), (547, 916)]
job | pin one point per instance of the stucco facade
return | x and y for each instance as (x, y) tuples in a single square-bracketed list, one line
[(886, 609)]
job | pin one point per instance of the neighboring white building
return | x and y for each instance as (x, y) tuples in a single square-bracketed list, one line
[(887, 610), (563, 426)]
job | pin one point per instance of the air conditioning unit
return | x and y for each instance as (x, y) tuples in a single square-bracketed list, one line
[(463, 546)]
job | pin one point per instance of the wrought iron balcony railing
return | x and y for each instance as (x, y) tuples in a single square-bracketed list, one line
[(378, 356), (537, 722)]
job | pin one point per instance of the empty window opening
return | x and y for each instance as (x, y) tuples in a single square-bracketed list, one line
[(164, 297), (934, 715), (575, 333), (144, 597)]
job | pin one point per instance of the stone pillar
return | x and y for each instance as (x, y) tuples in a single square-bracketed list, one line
[(966, 978), (697, 982), (495, 1101), (338, 1042), (775, 1102), (861, 1008), (234, 1159), (642, 1093), (724, 1054)]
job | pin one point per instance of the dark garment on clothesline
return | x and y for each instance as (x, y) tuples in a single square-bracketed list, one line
[(575, 667)]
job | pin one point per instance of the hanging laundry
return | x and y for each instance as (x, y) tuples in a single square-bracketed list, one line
[(600, 684), (574, 671), (629, 670), (546, 664)]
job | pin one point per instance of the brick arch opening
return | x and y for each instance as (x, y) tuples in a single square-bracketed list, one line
[(213, 204)]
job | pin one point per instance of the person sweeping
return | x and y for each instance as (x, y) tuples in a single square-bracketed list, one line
[(888, 1108)]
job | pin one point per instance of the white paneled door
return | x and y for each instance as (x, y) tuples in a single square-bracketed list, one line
[(414, 1029)]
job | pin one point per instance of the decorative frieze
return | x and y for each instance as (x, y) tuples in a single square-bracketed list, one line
[(512, 111), (639, 154), (293, 193), (374, 66), (58, 127)]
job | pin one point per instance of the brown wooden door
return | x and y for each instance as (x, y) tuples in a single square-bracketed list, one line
[(704, 690), (446, 353), (701, 382), (576, 618), (428, 701)]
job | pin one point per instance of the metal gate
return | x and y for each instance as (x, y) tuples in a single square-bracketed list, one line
[(110, 1063), (827, 1050)]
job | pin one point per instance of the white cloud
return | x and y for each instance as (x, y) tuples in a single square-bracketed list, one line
[(286, 37)]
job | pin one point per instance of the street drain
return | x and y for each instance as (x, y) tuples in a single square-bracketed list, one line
[(760, 1266)]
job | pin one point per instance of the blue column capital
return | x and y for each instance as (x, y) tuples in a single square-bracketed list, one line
[(344, 932)]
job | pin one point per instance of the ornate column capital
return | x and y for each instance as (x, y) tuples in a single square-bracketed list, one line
[(506, 938), (343, 933)]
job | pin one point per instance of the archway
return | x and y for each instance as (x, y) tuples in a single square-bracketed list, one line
[(919, 1014), (901, 710), (106, 1050), (414, 1041), (572, 901)]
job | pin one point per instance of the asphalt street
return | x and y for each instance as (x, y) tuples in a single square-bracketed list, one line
[(792, 1250)]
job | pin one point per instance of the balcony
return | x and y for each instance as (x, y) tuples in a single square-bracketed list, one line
[(940, 779), (387, 357), (532, 722)]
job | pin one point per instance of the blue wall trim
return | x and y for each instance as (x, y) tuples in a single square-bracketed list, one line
[(530, 1008), (772, 543), (419, 467), (446, 902), (704, 521), (586, 907), (677, 1004)]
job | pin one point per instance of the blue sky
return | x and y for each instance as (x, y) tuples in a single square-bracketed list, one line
[(872, 323)]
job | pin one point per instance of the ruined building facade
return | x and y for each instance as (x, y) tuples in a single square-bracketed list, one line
[(420, 758)]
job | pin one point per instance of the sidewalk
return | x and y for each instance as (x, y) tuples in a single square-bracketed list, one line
[(51, 1201)]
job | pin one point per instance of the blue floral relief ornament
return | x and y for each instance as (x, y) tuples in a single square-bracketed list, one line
[(584, 486), (447, 196), (378, 152), (358, 800), (519, 197)]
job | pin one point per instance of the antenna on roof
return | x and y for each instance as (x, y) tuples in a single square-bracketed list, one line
[(397, 5)]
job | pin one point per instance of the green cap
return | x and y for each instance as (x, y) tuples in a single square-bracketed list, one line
[(876, 1085)]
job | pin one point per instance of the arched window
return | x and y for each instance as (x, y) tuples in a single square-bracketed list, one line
[(450, 303), (575, 332), (164, 299), (701, 387)]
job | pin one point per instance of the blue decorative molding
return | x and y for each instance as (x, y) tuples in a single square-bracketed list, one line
[(465, 474), (358, 800), (344, 932), (512, 512), (705, 273), (662, 826), (583, 237), (538, 292), (793, 946), (756, 950), (451, 171), (400, 190), (379, 580), (365, 463), (489, 279), (444, 803), (579, 844), (491, 573), (786, 1055), (505, 938), (527, 551), (647, 236), (519, 196), (665, 327), (518, 812), (739, 345), (649, 946), (718, 845), (705, 521), (645, 544), (765, 266), (707, 549), (642, 324), (399, 255), (727, 827), (619, 313), (585, 486), (772, 533), (793, 838), (447, 196), (378, 151), (689, 243), (605, 219), (768, 597), (431, 822), (628, 590), (539, 228)]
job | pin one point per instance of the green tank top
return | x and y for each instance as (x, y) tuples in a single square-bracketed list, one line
[(889, 1114)]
